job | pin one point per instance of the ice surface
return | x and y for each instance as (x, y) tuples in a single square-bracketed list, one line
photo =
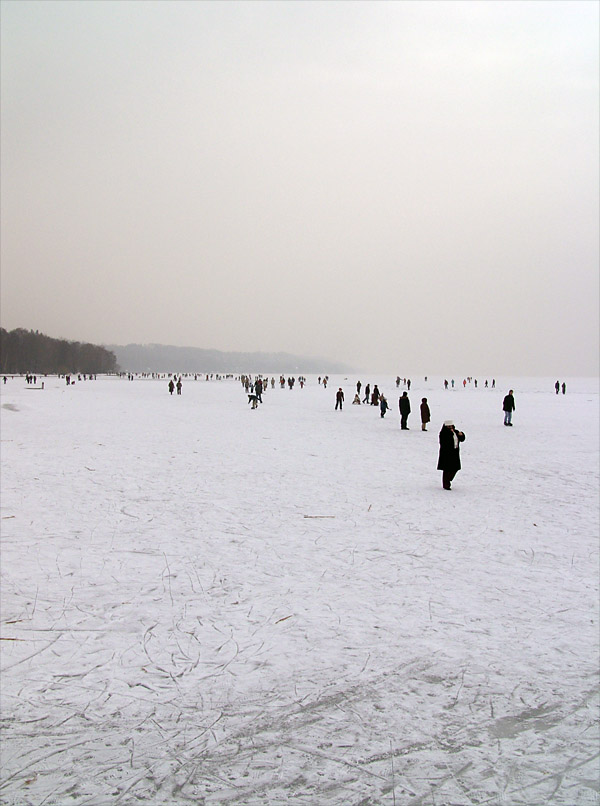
[(207, 604)]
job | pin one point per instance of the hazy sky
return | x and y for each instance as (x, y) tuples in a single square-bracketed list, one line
[(407, 187)]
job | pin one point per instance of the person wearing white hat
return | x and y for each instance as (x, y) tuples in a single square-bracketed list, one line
[(449, 458)]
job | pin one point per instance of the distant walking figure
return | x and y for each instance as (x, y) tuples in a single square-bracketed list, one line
[(425, 414), (367, 393), (179, 385), (508, 406), (557, 387), (564, 388), (449, 458), (404, 406), (358, 387), (171, 386), (375, 396), (383, 405), (339, 399)]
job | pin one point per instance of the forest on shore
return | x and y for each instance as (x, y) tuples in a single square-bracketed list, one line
[(28, 351)]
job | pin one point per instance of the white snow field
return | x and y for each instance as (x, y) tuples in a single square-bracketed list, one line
[(206, 604)]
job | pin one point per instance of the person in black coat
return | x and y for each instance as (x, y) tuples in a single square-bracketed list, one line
[(449, 458), (508, 406), (404, 406)]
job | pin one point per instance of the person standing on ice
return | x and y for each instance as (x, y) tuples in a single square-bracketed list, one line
[(179, 385), (367, 393), (404, 406), (339, 399), (383, 405), (425, 414), (171, 386), (557, 387), (508, 406), (449, 456), (564, 388)]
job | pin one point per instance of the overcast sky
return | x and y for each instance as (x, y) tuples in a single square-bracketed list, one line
[(407, 187)]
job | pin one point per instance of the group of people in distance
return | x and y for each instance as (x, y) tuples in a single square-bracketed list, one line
[(449, 437)]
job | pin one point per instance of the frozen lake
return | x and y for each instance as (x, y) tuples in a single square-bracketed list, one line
[(207, 604)]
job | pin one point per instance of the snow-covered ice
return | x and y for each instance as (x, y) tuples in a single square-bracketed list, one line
[(207, 604)]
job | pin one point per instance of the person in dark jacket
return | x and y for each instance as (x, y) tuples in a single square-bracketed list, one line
[(449, 458), (339, 399), (375, 396), (508, 406), (171, 386), (425, 414), (383, 405), (404, 406), (367, 393)]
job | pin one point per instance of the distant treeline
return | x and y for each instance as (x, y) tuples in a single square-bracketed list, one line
[(168, 358), (23, 351)]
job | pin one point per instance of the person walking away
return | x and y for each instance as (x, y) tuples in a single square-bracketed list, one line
[(564, 388), (358, 387), (171, 386), (367, 393), (339, 399), (404, 406), (383, 405), (449, 456), (508, 406), (557, 387), (179, 385), (425, 414)]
